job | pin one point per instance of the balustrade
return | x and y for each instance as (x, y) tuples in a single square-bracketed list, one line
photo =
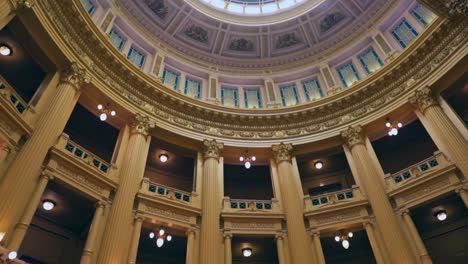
[(11, 96), (156, 189), (332, 198), (239, 205)]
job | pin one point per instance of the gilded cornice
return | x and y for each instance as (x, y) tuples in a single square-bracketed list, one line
[(135, 90)]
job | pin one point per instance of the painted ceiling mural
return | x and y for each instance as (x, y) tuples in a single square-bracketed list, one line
[(196, 34)]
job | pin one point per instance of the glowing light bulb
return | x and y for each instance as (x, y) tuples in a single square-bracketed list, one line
[(248, 165), (99, 107), (169, 238), (345, 244), (394, 131), (103, 117), (151, 235), (247, 252), (48, 205), (113, 113), (241, 159), (400, 125), (161, 232), (160, 242), (318, 165), (350, 234), (12, 255), (254, 158), (337, 238), (390, 133), (388, 124), (441, 216), (5, 50), (163, 158)]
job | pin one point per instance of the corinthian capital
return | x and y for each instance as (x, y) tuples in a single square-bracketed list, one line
[(212, 149), (353, 136), (141, 124), (423, 99), (74, 75), (22, 4), (282, 152)]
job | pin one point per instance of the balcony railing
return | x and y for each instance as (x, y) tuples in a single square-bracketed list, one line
[(10, 95), (396, 179), (342, 196), (167, 192), (251, 205), (81, 153)]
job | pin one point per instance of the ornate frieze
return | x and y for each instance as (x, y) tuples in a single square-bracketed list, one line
[(423, 99), (75, 75), (353, 136), (171, 214), (141, 125), (282, 152), (212, 149), (253, 225)]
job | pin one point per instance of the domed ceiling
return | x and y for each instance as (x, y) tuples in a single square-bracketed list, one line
[(194, 28)]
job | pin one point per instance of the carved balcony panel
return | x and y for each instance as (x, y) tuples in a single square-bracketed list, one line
[(160, 193), (246, 206), (333, 200)]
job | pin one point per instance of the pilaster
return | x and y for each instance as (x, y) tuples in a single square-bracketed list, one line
[(191, 247), (133, 250), (227, 248), (91, 241), (318, 247), (422, 252), (280, 248), (369, 227)]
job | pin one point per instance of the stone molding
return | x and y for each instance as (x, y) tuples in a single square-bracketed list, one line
[(198, 119)]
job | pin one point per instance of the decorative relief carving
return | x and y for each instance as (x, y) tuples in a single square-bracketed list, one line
[(20, 4), (330, 21), (430, 188), (423, 99), (253, 225), (141, 125), (339, 217), (282, 152), (158, 7), (80, 179), (197, 33), (353, 136), (74, 75), (167, 213), (212, 149), (241, 44), (287, 40)]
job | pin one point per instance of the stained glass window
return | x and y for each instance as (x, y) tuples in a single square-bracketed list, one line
[(404, 33), (170, 78), (348, 74), (192, 88), (136, 57), (370, 61), (230, 96), (312, 90), (252, 98), (289, 95)]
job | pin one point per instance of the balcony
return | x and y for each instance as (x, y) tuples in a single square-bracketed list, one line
[(13, 106), (334, 200), (162, 194), (245, 206)]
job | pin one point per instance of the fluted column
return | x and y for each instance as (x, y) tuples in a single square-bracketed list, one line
[(422, 252), (114, 248), (190, 255), (292, 205), (280, 248), (132, 256), (318, 247), (227, 249), (444, 133), (395, 240), (210, 234), (463, 195), (373, 241), (28, 214), (90, 246), (19, 180)]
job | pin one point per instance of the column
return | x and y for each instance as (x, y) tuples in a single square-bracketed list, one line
[(280, 248), (210, 235), (135, 240), (318, 247), (444, 133), (19, 180), (463, 195), (422, 252), (368, 174), (373, 241), (115, 243), (292, 205), (227, 249), (190, 255), (90, 246), (28, 214)]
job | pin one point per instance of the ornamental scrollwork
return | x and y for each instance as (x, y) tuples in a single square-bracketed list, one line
[(423, 99), (141, 124), (353, 136), (74, 75), (282, 152), (212, 149)]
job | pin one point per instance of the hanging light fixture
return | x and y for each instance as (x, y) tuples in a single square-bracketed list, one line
[(160, 235), (151, 235), (247, 252), (392, 129), (247, 159), (12, 255), (344, 238), (105, 112)]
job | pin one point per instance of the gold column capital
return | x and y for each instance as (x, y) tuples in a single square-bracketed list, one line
[(353, 136), (282, 152), (141, 124), (46, 175), (405, 212), (211, 149), (227, 236), (75, 75), (190, 231), (23, 4), (100, 204), (423, 99), (279, 236)]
